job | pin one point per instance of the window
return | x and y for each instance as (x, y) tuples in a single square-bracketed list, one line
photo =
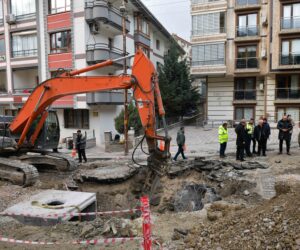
[(208, 54), (288, 87), (146, 50), (246, 57), (291, 16), (110, 43), (244, 89), (24, 44), (157, 44), (2, 46), (203, 1), (207, 24), (247, 25), (1, 12), (290, 52), (141, 25), (246, 2), (76, 118), (57, 6), (60, 42), (23, 8), (293, 111), (243, 113)]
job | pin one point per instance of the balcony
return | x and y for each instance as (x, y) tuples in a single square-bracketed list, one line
[(247, 4), (142, 38), (100, 52), (245, 95), (247, 63), (24, 53), (208, 32), (290, 59), (106, 98), (247, 31), (103, 12), (290, 23), (219, 61), (288, 94)]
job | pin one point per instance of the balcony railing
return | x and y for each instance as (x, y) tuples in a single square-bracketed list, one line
[(290, 22), (245, 94), (204, 1), (207, 31), (246, 3), (290, 59), (247, 63), (25, 53), (287, 93), (23, 90), (219, 61), (245, 31)]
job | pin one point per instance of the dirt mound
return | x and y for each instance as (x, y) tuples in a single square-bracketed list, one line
[(275, 224)]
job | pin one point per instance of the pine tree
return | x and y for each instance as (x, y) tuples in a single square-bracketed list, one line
[(178, 94)]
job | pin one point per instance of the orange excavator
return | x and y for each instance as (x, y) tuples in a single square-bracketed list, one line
[(36, 127)]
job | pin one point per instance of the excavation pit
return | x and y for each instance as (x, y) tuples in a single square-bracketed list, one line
[(41, 209)]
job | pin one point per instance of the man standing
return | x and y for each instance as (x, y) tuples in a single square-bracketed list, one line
[(80, 146), (223, 138), (284, 126), (260, 134), (250, 131), (267, 129), (240, 140), (180, 142)]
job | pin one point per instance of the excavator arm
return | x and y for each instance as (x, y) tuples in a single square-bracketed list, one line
[(143, 82)]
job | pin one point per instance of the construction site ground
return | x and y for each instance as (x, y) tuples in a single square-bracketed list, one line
[(256, 207)]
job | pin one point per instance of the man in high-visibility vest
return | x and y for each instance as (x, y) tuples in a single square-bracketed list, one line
[(250, 133), (223, 139)]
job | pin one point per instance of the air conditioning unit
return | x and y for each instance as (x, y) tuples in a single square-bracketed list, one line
[(264, 20), (95, 28), (2, 58), (263, 54), (11, 19)]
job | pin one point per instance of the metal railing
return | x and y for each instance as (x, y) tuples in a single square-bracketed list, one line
[(204, 1), (287, 93), (220, 61), (24, 53), (290, 59), (23, 90), (208, 31), (25, 16), (245, 94), (245, 3), (245, 31), (290, 22), (247, 63)]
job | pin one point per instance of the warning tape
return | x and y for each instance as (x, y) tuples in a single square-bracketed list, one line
[(107, 241), (64, 215)]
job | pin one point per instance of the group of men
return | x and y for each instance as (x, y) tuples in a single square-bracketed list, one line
[(248, 132)]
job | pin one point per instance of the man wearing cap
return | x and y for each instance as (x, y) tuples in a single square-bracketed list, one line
[(240, 140), (250, 132), (223, 139), (80, 146)]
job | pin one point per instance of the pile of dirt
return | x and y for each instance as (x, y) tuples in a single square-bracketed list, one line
[(275, 224)]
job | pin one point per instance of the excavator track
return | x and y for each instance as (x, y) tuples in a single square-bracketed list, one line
[(17, 172)]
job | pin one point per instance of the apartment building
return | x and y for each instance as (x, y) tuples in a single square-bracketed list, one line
[(39, 39), (247, 52), (186, 46)]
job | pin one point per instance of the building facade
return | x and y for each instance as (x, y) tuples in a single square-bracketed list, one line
[(39, 39), (247, 53)]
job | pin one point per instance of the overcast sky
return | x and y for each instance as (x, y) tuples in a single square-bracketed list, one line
[(173, 14)]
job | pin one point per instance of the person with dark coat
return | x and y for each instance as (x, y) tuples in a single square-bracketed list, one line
[(240, 140), (261, 136), (284, 126), (250, 131), (180, 142), (267, 130), (80, 146)]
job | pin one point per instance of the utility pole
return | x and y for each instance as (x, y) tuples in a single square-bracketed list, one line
[(124, 16)]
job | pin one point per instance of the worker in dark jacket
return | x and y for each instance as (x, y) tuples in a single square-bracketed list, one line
[(267, 130), (261, 136), (80, 146), (284, 126), (241, 138), (250, 131), (180, 142)]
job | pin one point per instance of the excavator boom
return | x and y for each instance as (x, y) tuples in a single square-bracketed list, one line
[(143, 82)]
